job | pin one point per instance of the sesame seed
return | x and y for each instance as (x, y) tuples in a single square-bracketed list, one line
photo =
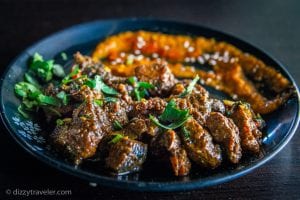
[(154, 55), (225, 59), (122, 54), (212, 62), (191, 49), (118, 60), (206, 56), (137, 52), (140, 57), (186, 44), (187, 59), (200, 60), (140, 39), (216, 55), (193, 59), (226, 54), (166, 47)]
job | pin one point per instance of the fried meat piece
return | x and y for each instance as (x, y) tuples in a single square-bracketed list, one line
[(199, 145), (225, 132), (126, 156)]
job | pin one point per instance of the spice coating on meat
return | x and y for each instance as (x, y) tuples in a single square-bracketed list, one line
[(198, 103), (167, 146), (225, 132), (249, 132), (151, 106), (79, 136), (199, 145), (177, 120), (126, 155), (158, 75)]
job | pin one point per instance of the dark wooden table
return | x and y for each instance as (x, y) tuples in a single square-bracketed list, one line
[(271, 25)]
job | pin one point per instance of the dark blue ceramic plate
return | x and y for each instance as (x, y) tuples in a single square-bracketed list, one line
[(281, 125)]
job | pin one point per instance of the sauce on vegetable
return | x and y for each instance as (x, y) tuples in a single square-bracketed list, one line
[(218, 64)]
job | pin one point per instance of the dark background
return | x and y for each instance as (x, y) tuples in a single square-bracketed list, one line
[(271, 25)]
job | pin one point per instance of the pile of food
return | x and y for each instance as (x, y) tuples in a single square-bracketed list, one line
[(140, 98)]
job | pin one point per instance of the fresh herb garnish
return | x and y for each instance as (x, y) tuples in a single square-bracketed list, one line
[(41, 68), (59, 122), (63, 97), (140, 88), (98, 102), (58, 71), (190, 87), (27, 90), (110, 99), (90, 83), (23, 112), (171, 113), (171, 118), (47, 100), (99, 85), (173, 125), (185, 132), (30, 79), (117, 126), (118, 137), (129, 60), (32, 97), (74, 72), (64, 56)]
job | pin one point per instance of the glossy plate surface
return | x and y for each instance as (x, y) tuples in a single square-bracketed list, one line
[(281, 124)]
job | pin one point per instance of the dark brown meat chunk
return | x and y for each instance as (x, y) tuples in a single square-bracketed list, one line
[(116, 111), (90, 67), (217, 106), (126, 156), (79, 136), (159, 75), (140, 129), (225, 132), (167, 147), (199, 145), (142, 109), (250, 134), (135, 128), (198, 103)]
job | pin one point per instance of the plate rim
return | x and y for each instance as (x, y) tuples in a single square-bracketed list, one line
[(143, 185)]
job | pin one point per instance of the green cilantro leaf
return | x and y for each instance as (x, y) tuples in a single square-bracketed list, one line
[(99, 85), (171, 113), (58, 71), (118, 137), (171, 118), (99, 102), (64, 56), (190, 87), (68, 78), (173, 125), (63, 97), (140, 88), (117, 126)]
